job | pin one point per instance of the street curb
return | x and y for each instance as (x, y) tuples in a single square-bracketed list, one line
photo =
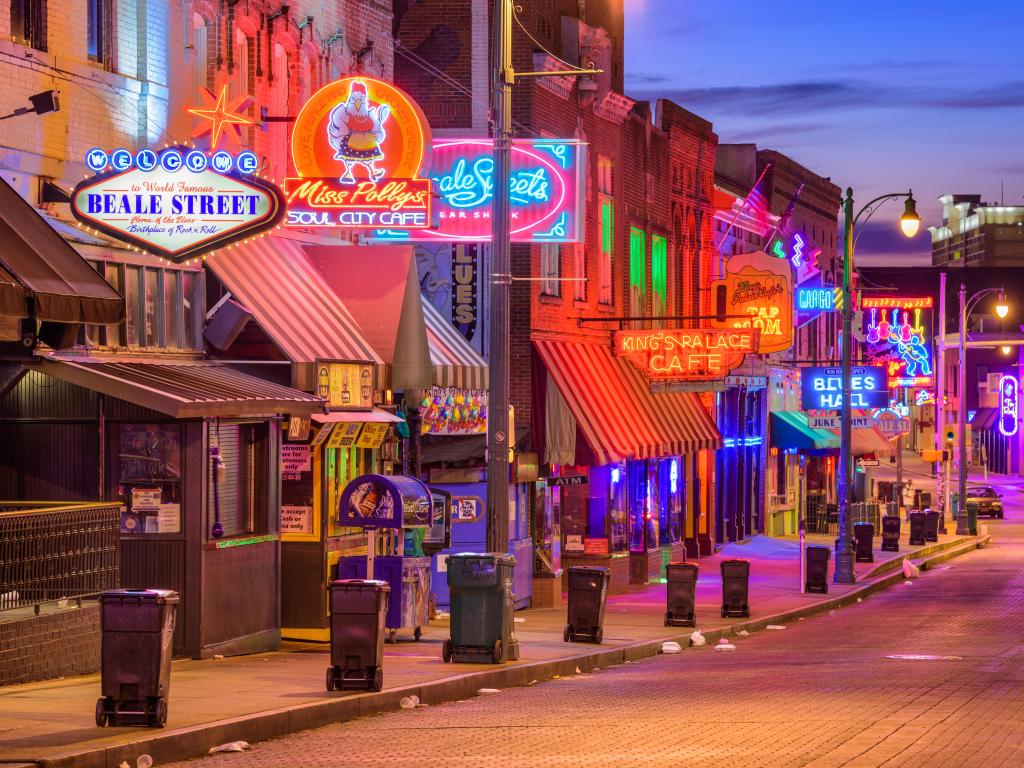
[(195, 741)]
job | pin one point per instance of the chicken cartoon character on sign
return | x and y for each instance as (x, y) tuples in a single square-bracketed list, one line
[(356, 132)]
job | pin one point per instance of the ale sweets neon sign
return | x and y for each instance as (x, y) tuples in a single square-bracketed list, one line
[(360, 146), (177, 203), (686, 353), (545, 191), (1009, 397)]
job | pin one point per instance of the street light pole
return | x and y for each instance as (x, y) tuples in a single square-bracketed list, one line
[(498, 441), (962, 526), (844, 553)]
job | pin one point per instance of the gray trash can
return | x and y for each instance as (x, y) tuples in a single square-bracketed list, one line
[(482, 628), (917, 522), (681, 594), (588, 592), (931, 525), (891, 525), (137, 632), (864, 533), (358, 610), (735, 588), (817, 557)]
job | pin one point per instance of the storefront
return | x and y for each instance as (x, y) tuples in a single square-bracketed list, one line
[(630, 471), (800, 470), (740, 463)]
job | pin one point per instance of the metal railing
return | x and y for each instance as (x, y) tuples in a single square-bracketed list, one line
[(52, 551), (824, 518)]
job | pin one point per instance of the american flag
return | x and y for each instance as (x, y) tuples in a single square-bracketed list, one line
[(786, 220), (757, 204)]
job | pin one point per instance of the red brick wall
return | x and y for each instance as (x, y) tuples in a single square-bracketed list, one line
[(52, 645)]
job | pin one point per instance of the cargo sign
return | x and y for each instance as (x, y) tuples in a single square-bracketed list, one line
[(178, 203), (686, 353), (821, 389)]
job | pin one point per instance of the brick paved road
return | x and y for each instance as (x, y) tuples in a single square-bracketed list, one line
[(820, 693)]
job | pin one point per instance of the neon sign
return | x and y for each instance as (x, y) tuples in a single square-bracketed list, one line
[(359, 147), (821, 389), (813, 298), (685, 353), (1009, 395), (545, 191), (761, 288), (176, 203), (899, 335), (221, 116)]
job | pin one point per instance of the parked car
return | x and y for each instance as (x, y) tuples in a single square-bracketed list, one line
[(989, 502)]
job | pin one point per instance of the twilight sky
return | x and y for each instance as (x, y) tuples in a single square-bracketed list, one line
[(879, 95)]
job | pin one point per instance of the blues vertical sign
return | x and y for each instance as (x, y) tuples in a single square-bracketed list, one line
[(821, 389)]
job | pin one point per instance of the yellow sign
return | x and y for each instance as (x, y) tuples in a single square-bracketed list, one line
[(322, 434), (344, 435), (345, 385), (756, 294), (372, 435)]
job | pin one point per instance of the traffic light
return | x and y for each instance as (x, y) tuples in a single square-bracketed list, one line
[(950, 435)]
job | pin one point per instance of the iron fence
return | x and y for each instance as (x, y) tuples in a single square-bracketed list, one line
[(55, 550), (824, 518)]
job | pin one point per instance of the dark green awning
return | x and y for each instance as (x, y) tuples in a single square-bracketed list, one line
[(789, 429)]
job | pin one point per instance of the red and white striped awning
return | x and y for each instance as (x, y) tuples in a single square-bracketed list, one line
[(455, 362), (615, 409)]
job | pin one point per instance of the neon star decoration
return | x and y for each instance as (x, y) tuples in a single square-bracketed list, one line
[(222, 116)]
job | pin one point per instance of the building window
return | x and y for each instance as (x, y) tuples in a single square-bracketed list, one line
[(149, 478), (200, 53), (231, 490), (100, 32), (637, 272), (28, 23), (605, 294), (604, 175), (550, 269), (659, 275), (579, 261)]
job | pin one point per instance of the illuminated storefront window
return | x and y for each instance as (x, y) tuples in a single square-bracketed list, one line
[(637, 271), (604, 271), (659, 275)]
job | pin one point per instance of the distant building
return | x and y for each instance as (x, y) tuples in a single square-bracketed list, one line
[(977, 234)]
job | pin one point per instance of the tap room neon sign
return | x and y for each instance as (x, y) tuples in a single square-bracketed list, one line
[(177, 203), (898, 334), (545, 192), (1009, 398)]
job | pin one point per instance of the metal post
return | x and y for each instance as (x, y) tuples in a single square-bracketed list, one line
[(802, 524), (844, 554), (962, 527), (941, 471), (498, 441)]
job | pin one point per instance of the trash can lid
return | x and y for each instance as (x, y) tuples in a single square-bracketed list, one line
[(588, 569), (495, 556), (357, 583), (163, 595)]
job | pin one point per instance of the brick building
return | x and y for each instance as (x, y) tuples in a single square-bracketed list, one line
[(647, 253)]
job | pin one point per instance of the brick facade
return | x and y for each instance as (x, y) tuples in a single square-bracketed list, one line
[(51, 645)]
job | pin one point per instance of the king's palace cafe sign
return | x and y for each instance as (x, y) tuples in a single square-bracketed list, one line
[(697, 354)]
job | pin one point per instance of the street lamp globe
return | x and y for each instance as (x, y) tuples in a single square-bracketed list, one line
[(1005, 349), (910, 222), (1002, 308)]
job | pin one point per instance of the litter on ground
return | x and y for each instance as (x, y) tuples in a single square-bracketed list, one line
[(670, 646), (725, 645), (231, 746), (697, 639)]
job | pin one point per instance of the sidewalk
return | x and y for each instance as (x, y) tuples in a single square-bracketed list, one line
[(266, 695)]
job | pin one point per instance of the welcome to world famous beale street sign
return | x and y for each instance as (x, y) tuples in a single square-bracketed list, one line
[(178, 202), (684, 353)]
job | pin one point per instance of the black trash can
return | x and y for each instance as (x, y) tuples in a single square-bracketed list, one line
[(931, 525), (917, 523), (588, 591), (864, 533), (817, 557), (358, 610), (137, 628), (735, 584), (891, 533), (482, 626), (681, 594)]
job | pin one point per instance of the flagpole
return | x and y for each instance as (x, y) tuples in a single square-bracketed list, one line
[(746, 201), (789, 210)]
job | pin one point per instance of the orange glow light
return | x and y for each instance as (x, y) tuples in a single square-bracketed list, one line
[(221, 115)]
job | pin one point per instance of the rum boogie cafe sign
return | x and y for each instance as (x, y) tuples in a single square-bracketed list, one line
[(685, 353), (177, 203)]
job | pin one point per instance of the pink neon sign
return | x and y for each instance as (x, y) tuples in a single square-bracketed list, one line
[(546, 192)]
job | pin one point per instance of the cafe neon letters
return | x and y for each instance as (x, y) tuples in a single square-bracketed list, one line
[(177, 203), (360, 146), (685, 353)]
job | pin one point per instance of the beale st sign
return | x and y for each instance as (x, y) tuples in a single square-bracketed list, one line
[(686, 353)]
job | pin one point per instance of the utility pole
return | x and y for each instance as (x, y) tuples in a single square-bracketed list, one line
[(498, 439), (940, 406), (962, 526), (844, 553)]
